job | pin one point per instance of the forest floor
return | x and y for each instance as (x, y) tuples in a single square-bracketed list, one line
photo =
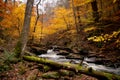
[(24, 71)]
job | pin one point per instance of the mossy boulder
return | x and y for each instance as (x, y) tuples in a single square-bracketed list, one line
[(51, 75)]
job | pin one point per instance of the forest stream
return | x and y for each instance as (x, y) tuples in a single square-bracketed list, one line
[(87, 62), (59, 39)]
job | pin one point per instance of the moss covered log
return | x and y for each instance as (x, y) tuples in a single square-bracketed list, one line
[(75, 68)]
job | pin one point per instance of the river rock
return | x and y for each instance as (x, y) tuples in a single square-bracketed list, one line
[(74, 56), (50, 75), (38, 50), (63, 52), (84, 52), (103, 61), (64, 48)]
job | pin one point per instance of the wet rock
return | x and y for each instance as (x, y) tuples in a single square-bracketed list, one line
[(117, 64), (103, 61), (74, 56), (83, 52), (99, 62), (90, 60), (63, 52), (38, 50), (112, 64), (64, 48)]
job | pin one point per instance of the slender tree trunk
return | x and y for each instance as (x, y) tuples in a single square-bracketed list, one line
[(101, 12), (119, 4), (6, 1), (75, 18), (95, 10), (14, 2), (18, 26), (34, 30), (41, 29), (78, 16), (21, 45), (67, 24)]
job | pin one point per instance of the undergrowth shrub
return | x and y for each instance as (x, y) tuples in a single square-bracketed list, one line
[(6, 60), (107, 39)]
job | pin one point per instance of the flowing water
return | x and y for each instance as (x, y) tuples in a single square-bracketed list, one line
[(52, 55)]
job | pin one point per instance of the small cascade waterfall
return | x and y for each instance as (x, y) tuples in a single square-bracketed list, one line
[(51, 54)]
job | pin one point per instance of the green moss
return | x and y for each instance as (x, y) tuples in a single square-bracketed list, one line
[(112, 77), (66, 73), (46, 68), (18, 49), (51, 75)]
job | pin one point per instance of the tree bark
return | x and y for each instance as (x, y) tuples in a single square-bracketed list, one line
[(6, 1), (78, 16), (18, 26), (75, 68), (37, 18), (75, 17), (41, 32), (14, 2), (21, 45), (67, 24), (95, 10)]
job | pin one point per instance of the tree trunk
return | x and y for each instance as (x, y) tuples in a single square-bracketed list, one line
[(75, 68), (75, 17), (95, 10), (18, 26), (37, 18), (78, 16), (14, 2), (6, 1), (67, 24), (21, 45), (41, 32)]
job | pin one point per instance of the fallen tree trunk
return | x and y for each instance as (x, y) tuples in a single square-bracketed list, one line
[(73, 67)]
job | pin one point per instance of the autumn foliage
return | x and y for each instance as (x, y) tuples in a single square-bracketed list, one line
[(61, 19)]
